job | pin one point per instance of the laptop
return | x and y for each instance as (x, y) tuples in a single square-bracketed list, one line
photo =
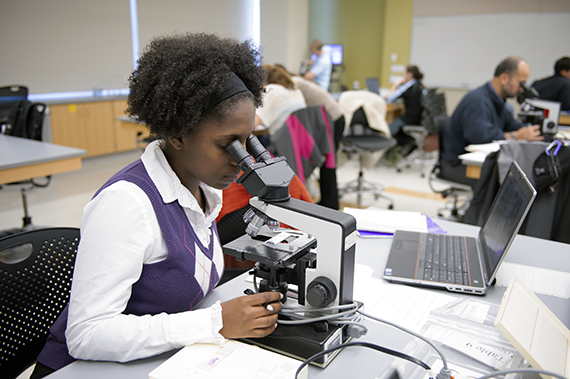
[(460, 263), (372, 85)]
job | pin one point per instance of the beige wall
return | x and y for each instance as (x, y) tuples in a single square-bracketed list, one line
[(284, 32), (371, 31), (464, 7), (356, 24), (70, 45), (397, 35)]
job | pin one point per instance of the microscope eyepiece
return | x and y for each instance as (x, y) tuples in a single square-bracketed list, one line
[(256, 149), (240, 155), (527, 93)]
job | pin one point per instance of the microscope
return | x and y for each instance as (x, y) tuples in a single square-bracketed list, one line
[(537, 111), (316, 257)]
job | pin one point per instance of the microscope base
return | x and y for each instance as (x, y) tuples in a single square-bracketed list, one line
[(302, 341)]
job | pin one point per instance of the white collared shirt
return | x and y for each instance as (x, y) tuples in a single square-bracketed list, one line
[(119, 234)]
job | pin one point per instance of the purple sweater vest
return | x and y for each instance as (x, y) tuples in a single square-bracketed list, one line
[(167, 286)]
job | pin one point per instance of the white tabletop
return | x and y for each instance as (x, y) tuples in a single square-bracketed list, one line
[(18, 152), (360, 362)]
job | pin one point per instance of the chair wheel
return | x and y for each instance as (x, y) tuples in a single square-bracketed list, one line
[(391, 206), (398, 170), (423, 175)]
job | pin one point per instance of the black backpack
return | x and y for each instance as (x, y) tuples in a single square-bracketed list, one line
[(25, 120)]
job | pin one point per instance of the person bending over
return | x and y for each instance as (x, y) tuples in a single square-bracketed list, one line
[(481, 117), (280, 100), (149, 251)]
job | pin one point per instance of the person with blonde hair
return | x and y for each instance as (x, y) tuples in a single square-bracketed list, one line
[(280, 100)]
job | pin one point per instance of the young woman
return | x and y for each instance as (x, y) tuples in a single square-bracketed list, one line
[(281, 99), (410, 90), (149, 249)]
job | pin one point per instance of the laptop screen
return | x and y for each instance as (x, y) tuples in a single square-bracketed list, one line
[(372, 85), (505, 217)]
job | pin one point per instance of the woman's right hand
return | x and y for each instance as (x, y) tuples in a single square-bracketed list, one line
[(252, 316)]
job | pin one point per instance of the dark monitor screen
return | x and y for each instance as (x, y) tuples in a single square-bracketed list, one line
[(334, 51), (506, 215), (372, 85)]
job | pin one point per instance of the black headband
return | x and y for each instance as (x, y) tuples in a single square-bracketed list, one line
[(233, 86)]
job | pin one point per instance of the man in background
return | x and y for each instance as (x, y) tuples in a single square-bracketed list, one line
[(321, 68), (557, 86), (481, 117)]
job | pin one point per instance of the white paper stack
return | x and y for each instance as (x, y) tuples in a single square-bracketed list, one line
[(386, 221)]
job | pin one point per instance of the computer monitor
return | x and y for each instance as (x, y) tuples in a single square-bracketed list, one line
[(373, 85), (334, 51)]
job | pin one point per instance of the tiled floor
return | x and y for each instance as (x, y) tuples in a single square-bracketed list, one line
[(62, 202)]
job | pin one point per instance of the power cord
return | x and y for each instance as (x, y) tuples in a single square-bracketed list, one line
[(348, 314), (367, 345), (445, 372)]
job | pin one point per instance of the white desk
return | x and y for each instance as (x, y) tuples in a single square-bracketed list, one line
[(22, 159), (360, 362)]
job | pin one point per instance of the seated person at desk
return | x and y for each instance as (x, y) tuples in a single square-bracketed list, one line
[(557, 86), (281, 98), (481, 117), (409, 88), (149, 250), (321, 69)]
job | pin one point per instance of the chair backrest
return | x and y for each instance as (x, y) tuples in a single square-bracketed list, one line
[(306, 140), (359, 125), (10, 96), (434, 113), (36, 269)]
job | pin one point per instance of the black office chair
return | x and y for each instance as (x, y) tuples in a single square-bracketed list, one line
[(458, 195), (434, 116), (362, 140), (21, 118), (10, 96), (36, 269)]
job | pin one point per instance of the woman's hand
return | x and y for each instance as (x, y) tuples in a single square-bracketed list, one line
[(251, 316)]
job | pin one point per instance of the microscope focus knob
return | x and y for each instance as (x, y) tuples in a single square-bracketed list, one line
[(321, 292)]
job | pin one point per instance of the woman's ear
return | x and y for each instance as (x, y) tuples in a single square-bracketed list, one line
[(176, 142)]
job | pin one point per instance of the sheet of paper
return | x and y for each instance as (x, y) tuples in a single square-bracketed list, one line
[(381, 220), (475, 311), (233, 360), (539, 280), (484, 147), (474, 158), (403, 305), (476, 348)]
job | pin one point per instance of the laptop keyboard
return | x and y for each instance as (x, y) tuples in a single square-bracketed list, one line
[(445, 259)]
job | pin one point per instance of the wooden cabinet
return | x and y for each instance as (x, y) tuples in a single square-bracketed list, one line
[(125, 138), (92, 126)]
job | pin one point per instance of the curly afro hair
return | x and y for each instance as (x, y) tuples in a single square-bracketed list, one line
[(179, 76)]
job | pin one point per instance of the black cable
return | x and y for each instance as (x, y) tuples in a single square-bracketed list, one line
[(363, 344)]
